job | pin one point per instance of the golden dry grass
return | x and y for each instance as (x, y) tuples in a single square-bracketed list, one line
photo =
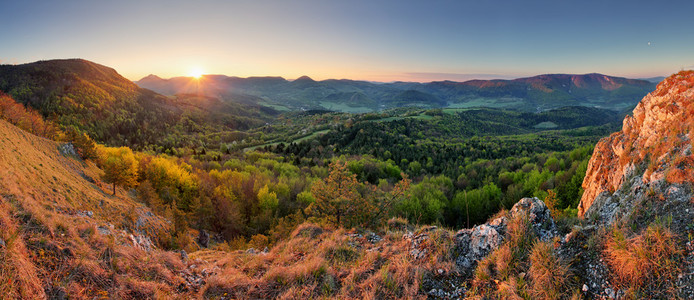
[(53, 248), (548, 274), (521, 268), (326, 263), (646, 260), (18, 276)]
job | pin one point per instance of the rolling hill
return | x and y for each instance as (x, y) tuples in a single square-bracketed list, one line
[(113, 110)]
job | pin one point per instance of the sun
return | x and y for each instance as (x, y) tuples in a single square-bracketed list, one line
[(196, 73)]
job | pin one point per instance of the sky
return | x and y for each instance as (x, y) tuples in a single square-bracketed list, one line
[(366, 40)]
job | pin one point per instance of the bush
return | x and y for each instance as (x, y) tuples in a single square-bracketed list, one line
[(548, 274), (646, 259), (496, 273)]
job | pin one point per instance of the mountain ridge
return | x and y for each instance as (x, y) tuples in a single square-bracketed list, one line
[(529, 93)]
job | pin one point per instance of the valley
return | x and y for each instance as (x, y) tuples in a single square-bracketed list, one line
[(224, 187)]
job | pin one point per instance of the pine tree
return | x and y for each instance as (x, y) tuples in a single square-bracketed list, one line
[(337, 197)]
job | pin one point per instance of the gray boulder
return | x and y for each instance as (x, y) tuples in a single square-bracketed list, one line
[(474, 244), (204, 239)]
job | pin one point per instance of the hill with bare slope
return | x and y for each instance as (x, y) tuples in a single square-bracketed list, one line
[(63, 234)]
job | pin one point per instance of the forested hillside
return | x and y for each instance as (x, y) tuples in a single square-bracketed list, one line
[(111, 109), (460, 165)]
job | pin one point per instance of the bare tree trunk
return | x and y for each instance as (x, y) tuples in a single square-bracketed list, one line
[(114, 188)]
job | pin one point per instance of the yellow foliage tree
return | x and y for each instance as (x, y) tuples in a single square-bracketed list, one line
[(170, 178), (551, 202), (119, 165), (268, 200)]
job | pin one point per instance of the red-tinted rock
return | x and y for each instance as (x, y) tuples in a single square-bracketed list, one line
[(655, 142)]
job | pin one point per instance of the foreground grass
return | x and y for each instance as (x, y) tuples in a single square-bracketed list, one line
[(317, 262)]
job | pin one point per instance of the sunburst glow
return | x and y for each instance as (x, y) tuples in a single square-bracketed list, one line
[(196, 73)]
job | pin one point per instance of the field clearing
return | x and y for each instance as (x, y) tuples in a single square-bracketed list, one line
[(273, 143), (487, 102), (276, 107), (344, 107), (421, 116), (546, 125)]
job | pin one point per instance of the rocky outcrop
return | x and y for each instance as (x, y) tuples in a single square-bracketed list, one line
[(203, 238), (473, 244), (654, 145)]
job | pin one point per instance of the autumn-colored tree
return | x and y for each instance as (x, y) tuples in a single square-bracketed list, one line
[(347, 202), (551, 202), (171, 179), (119, 165), (26, 118), (337, 197)]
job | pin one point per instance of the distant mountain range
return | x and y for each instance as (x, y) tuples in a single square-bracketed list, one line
[(656, 79), (532, 94)]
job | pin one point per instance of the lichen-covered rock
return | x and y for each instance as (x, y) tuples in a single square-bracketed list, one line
[(539, 216), (67, 149), (654, 143), (474, 244), (142, 242)]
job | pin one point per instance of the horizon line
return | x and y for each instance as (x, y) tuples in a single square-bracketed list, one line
[(490, 77)]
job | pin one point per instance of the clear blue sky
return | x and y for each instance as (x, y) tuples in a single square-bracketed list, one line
[(371, 40)]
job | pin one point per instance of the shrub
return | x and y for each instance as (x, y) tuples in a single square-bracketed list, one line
[(648, 258), (495, 273), (548, 274)]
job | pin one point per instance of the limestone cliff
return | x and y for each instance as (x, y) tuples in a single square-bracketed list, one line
[(654, 143)]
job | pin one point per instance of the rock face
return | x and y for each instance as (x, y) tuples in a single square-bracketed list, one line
[(654, 145), (203, 238), (475, 243)]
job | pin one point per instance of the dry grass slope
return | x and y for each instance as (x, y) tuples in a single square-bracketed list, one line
[(63, 234)]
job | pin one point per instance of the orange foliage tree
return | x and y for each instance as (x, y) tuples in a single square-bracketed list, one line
[(343, 200), (337, 196), (26, 118)]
